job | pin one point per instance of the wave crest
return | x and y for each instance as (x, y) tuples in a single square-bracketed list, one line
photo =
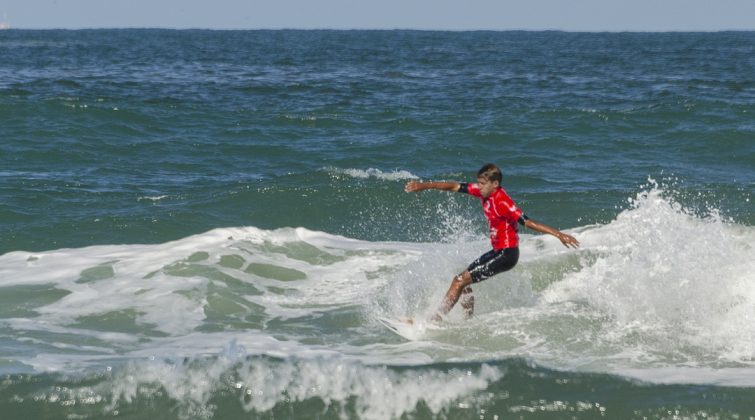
[(395, 175)]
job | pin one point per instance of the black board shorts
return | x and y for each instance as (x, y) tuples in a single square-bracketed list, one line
[(492, 263)]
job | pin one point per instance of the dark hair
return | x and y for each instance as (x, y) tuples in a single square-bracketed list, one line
[(490, 172)]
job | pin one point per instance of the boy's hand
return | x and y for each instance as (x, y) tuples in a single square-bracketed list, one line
[(568, 240), (413, 186)]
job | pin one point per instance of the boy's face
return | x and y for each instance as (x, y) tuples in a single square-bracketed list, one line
[(487, 187)]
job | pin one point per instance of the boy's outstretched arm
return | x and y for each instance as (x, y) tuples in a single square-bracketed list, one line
[(567, 240), (415, 186)]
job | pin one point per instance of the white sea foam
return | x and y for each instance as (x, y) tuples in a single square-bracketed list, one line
[(683, 282), (169, 289), (395, 175), (261, 383), (658, 288), (152, 198)]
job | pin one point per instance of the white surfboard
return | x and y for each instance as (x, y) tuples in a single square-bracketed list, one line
[(409, 328)]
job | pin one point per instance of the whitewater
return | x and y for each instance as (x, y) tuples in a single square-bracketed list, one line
[(661, 294)]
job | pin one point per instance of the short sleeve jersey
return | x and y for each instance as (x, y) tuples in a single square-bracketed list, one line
[(502, 214)]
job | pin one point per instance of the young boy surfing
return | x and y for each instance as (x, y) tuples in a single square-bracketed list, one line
[(503, 216)]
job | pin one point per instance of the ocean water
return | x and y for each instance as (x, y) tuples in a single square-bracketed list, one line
[(210, 224)]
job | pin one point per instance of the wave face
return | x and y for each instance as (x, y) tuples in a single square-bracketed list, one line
[(265, 321)]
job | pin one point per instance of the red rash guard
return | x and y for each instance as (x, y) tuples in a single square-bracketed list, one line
[(502, 214)]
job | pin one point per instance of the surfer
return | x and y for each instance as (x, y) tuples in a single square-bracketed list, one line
[(504, 217)]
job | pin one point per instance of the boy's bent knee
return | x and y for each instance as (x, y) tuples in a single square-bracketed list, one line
[(464, 279)]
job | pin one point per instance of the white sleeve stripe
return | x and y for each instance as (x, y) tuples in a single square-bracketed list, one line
[(495, 209)]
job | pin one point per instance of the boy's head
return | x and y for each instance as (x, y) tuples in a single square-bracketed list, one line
[(489, 177), (490, 172)]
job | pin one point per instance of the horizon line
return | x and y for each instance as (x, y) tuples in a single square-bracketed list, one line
[(192, 28)]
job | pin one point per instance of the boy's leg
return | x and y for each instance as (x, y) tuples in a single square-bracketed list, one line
[(489, 264), (467, 302), (458, 284)]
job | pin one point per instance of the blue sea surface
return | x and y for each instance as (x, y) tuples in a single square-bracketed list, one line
[(210, 224)]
